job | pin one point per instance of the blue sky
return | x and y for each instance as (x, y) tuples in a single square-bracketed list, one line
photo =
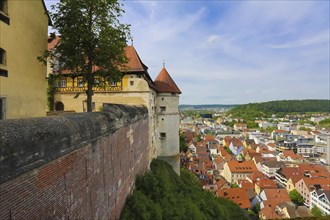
[(235, 52)]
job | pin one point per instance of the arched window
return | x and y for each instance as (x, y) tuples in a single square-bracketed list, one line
[(59, 106)]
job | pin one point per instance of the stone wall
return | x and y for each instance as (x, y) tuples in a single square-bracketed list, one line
[(79, 166)]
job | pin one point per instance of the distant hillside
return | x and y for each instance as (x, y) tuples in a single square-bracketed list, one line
[(162, 194), (198, 107), (266, 109)]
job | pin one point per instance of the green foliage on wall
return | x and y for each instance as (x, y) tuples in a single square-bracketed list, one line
[(183, 144), (51, 91), (162, 194)]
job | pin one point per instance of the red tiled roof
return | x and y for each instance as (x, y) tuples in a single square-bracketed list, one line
[(266, 184), (237, 195), (223, 152), (165, 83), (324, 183), (209, 138), (134, 64), (290, 153), (291, 172), (235, 141), (242, 167), (245, 184), (255, 176), (53, 42), (277, 194), (314, 170)]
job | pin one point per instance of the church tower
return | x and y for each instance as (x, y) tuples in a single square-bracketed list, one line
[(168, 119)]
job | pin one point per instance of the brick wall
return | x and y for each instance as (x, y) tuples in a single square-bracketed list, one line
[(88, 177)]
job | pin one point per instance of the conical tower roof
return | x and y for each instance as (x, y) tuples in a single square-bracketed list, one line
[(165, 83)]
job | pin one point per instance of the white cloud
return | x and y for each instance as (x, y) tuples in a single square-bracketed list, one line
[(307, 41), (213, 38)]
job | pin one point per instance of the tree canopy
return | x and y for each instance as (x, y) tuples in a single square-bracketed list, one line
[(162, 194), (92, 40), (296, 197), (266, 109)]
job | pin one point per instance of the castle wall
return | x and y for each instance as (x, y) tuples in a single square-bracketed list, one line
[(79, 166)]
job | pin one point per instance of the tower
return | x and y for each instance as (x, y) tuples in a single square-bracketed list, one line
[(168, 119)]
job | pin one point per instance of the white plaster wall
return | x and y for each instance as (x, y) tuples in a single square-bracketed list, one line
[(168, 122)]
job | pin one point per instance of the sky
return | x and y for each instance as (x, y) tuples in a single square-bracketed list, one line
[(235, 52)]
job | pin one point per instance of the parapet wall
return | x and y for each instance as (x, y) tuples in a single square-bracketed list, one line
[(79, 166)]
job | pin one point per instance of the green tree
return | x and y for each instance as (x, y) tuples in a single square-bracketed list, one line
[(305, 129), (162, 194), (92, 40), (316, 211), (296, 197), (256, 208), (183, 144)]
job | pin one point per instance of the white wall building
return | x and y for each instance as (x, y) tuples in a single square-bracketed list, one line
[(321, 199)]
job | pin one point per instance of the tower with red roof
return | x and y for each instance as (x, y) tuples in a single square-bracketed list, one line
[(167, 126)]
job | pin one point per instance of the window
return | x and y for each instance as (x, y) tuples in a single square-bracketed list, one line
[(162, 135), (3, 6), (131, 83), (4, 11), (63, 82), (162, 109), (2, 108), (80, 83), (3, 72), (112, 83), (2, 56)]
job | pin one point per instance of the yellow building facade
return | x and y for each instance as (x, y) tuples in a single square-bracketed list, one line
[(23, 37)]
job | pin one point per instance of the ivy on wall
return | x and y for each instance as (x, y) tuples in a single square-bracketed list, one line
[(51, 91)]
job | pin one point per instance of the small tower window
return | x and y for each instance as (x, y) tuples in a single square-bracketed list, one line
[(2, 56), (4, 11), (162, 109), (162, 135), (131, 83), (3, 6), (3, 72), (2, 108)]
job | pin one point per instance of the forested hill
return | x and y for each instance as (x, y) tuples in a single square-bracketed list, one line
[(266, 109), (162, 194)]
